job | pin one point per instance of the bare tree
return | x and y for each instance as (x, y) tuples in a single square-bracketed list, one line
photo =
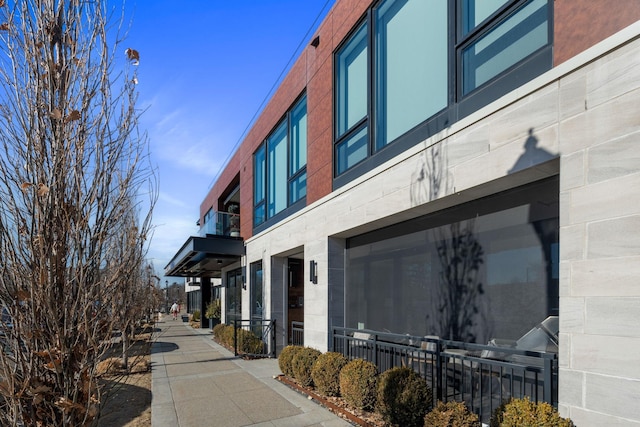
[(76, 193)]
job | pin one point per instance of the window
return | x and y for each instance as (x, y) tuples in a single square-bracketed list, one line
[(257, 291), (411, 65), (259, 171), (280, 166), (298, 152), (352, 102), (277, 170), (484, 269), (513, 39), (414, 67)]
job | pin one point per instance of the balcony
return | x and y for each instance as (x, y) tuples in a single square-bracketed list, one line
[(221, 224), (217, 246)]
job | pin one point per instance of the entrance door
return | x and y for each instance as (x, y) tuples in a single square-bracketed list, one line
[(295, 302)]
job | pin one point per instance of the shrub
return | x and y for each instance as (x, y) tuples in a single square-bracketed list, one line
[(286, 357), (403, 397), (525, 413), (213, 309), (451, 414), (358, 381), (196, 316), (217, 331), (248, 342), (302, 363), (326, 373)]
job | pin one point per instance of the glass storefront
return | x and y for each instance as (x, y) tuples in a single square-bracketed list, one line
[(486, 269)]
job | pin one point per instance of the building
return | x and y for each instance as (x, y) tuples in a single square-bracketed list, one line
[(462, 168)]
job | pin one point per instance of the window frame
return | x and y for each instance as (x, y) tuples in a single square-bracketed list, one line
[(291, 206), (458, 106)]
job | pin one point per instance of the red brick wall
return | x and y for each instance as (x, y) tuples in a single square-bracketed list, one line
[(580, 24)]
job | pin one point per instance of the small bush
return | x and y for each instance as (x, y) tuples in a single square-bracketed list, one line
[(302, 363), (358, 382), (249, 343), (451, 414), (525, 413), (326, 373), (217, 331), (213, 309), (286, 357), (196, 316), (403, 397)]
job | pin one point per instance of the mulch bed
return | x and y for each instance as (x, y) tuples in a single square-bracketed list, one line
[(336, 405)]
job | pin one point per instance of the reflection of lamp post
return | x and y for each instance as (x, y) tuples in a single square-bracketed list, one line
[(166, 292)]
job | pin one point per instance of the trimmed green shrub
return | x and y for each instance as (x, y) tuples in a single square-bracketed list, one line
[(525, 413), (248, 342), (403, 398), (358, 382), (301, 365), (286, 357), (196, 316), (451, 414), (326, 373)]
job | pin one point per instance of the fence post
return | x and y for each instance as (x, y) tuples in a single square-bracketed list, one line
[(235, 337), (548, 381), (439, 370), (273, 336)]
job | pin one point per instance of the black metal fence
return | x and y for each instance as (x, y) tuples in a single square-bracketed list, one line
[(481, 376), (254, 338)]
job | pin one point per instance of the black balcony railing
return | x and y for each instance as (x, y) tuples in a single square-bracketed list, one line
[(254, 338), (481, 376)]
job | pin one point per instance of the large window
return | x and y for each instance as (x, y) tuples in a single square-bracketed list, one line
[(413, 67), (486, 269), (280, 166)]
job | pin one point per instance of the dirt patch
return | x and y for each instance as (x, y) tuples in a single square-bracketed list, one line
[(128, 402)]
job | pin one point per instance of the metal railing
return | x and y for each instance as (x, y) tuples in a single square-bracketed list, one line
[(297, 333), (224, 224), (481, 376), (254, 338)]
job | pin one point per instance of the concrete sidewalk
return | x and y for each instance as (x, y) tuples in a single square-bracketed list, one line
[(196, 382)]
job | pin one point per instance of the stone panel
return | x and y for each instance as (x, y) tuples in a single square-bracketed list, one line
[(606, 355), (615, 316), (619, 237), (617, 397), (614, 159), (570, 385), (572, 319), (606, 277), (607, 199)]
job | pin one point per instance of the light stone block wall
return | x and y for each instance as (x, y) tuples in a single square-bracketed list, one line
[(580, 120)]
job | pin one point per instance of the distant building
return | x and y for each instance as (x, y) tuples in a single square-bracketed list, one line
[(462, 168)]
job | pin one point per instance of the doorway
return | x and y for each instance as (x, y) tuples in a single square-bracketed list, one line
[(295, 302)]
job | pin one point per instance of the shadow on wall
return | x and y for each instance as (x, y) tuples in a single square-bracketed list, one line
[(429, 178), (532, 155)]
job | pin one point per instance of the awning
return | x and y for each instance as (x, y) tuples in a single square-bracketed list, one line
[(205, 256)]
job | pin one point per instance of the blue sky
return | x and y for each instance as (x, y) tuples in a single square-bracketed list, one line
[(206, 67)]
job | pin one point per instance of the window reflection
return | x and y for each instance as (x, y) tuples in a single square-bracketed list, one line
[(482, 270)]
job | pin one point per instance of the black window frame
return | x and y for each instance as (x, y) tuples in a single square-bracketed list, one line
[(458, 106)]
